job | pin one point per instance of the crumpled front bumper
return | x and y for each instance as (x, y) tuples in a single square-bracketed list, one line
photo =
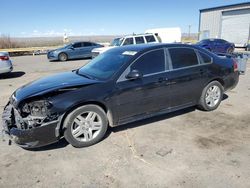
[(28, 138)]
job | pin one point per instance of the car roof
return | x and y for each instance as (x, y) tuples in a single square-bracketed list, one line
[(4, 54), (137, 35), (150, 46), (81, 42)]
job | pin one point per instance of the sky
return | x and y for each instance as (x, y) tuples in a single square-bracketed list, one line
[(42, 18)]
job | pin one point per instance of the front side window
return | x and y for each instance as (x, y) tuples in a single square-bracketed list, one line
[(128, 41), (150, 38), (139, 40), (151, 62), (77, 45), (183, 57)]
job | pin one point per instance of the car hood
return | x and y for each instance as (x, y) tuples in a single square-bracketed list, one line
[(58, 49), (52, 83)]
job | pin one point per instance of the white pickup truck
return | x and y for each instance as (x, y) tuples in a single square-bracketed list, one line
[(127, 40)]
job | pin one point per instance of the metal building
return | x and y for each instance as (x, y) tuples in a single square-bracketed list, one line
[(231, 22)]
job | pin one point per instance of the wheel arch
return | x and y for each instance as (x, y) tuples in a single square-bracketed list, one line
[(97, 103), (63, 52), (220, 80)]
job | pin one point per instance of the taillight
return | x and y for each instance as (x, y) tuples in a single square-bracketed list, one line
[(235, 65), (4, 58)]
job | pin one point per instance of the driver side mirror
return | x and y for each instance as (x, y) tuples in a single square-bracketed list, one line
[(71, 47), (134, 75)]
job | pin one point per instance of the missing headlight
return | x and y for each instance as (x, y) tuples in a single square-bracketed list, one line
[(35, 113), (37, 108)]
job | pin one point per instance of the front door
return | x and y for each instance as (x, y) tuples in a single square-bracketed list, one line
[(148, 93), (76, 51)]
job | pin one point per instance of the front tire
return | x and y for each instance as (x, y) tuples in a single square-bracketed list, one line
[(85, 126), (211, 96), (63, 57)]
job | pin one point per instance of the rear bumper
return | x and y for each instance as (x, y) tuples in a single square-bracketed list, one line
[(29, 138), (232, 81)]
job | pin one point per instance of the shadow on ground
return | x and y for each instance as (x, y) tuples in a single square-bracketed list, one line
[(77, 59), (11, 75), (58, 145)]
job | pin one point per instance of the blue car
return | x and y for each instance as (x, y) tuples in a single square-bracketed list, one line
[(74, 50), (218, 46)]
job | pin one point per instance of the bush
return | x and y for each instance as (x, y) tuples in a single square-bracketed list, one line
[(7, 42)]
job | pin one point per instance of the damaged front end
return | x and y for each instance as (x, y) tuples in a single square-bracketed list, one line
[(32, 124)]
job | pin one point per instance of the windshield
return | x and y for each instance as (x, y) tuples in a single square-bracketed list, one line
[(104, 66), (116, 42), (67, 45)]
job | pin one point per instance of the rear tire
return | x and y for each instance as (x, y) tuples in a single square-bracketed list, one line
[(85, 126), (211, 96), (230, 50), (63, 57)]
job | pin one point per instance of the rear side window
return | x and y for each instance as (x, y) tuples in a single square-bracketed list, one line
[(205, 58), (150, 38), (139, 40), (151, 62), (86, 44), (183, 57), (128, 41)]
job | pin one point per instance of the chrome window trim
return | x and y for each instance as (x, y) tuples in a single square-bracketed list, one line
[(195, 50), (168, 61)]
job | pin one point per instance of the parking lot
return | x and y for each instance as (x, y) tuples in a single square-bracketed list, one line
[(188, 148)]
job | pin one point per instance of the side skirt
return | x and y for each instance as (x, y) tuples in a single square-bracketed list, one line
[(152, 114)]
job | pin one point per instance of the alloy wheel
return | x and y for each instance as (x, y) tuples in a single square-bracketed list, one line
[(86, 126), (213, 96)]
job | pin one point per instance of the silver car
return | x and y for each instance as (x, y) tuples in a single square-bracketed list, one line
[(5, 63)]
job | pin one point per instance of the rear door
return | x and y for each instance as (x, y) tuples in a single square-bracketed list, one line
[(86, 49), (187, 77), (147, 94)]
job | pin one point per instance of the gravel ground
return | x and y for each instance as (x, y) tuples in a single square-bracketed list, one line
[(188, 148)]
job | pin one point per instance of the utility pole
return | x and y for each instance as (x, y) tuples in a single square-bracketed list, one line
[(189, 30)]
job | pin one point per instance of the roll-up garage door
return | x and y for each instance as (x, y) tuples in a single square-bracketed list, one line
[(235, 26)]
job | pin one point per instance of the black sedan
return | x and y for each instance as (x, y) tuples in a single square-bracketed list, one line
[(122, 85)]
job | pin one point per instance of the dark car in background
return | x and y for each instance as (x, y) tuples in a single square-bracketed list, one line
[(122, 85), (217, 46), (74, 50)]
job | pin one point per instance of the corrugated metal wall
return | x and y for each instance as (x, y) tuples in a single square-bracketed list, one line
[(211, 21)]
